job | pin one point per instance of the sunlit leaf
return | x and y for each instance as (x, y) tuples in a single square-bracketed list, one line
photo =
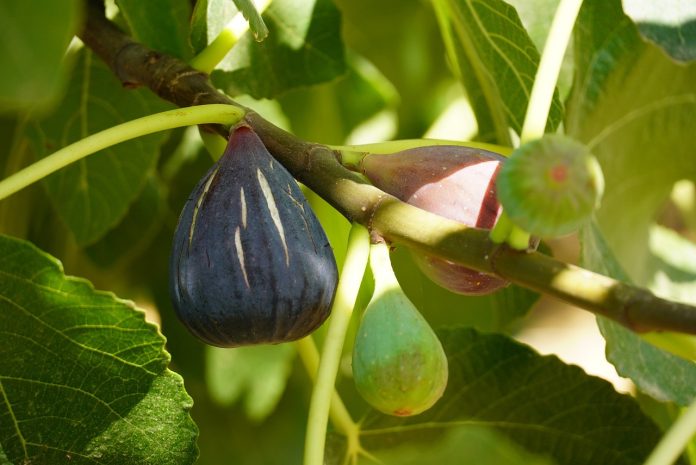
[(671, 24), (256, 24), (633, 106), (659, 374), (496, 61), (83, 377)]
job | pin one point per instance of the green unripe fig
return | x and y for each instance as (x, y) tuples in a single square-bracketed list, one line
[(399, 366), (452, 181), (250, 262), (551, 186)]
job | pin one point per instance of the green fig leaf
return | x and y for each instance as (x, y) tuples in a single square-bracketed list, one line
[(257, 374), (33, 42), (496, 61), (256, 24), (93, 195), (303, 48), (660, 374), (633, 106), (83, 377), (135, 232), (162, 25), (670, 24), (561, 413)]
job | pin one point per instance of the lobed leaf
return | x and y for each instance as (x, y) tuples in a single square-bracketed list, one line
[(537, 402), (83, 377), (92, 195), (633, 106)]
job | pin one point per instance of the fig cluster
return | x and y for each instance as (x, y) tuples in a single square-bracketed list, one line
[(455, 182), (250, 262)]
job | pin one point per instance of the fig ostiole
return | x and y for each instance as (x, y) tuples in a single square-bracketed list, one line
[(551, 186), (250, 262), (399, 365), (454, 182)]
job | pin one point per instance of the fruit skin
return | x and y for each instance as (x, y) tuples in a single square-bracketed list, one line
[(399, 366), (551, 186), (250, 262), (452, 181)]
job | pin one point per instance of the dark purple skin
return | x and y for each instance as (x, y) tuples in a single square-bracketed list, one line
[(233, 280), (452, 181)]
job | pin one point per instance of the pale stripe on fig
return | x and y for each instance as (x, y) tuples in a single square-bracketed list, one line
[(275, 216)]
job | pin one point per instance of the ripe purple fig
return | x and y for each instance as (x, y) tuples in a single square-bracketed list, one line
[(250, 263), (452, 181)]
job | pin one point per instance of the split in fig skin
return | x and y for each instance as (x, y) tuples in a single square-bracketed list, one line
[(250, 262), (451, 181)]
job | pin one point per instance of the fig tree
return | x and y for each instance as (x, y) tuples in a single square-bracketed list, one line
[(250, 262)]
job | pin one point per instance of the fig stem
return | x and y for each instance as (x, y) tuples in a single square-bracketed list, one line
[(202, 114), (519, 238), (392, 146), (502, 228), (338, 413), (216, 50), (549, 67), (380, 264), (677, 438), (346, 295), (214, 143)]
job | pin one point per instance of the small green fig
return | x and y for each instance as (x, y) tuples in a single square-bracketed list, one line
[(399, 366), (452, 181), (550, 186), (250, 262)]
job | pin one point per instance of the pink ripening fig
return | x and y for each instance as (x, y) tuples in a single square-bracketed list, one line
[(451, 181)]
